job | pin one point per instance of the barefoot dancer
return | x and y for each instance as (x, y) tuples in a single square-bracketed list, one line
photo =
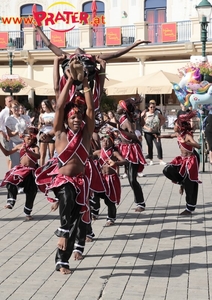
[(107, 56), (80, 62), (23, 175), (69, 182), (183, 169), (108, 161), (130, 149)]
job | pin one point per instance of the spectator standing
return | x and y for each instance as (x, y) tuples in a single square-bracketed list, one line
[(22, 110), (153, 120), (45, 126), (208, 133), (4, 114), (183, 110), (15, 125), (53, 103)]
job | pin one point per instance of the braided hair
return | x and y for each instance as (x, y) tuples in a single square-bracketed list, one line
[(183, 121)]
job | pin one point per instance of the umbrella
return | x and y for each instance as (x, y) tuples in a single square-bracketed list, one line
[(45, 90), (30, 84), (110, 82), (159, 82), (48, 90)]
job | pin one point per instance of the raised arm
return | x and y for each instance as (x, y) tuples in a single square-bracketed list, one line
[(102, 73), (57, 51), (90, 114), (56, 74), (59, 113), (123, 51)]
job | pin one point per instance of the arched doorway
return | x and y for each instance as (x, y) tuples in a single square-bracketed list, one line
[(155, 15), (25, 12)]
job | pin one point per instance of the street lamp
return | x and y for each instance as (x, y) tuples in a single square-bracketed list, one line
[(204, 9), (10, 51)]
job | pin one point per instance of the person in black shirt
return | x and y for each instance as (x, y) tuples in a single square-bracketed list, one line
[(183, 111)]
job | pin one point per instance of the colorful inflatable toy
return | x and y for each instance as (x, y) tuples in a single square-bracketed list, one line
[(192, 90)]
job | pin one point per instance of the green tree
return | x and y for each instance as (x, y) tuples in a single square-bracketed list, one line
[(107, 103)]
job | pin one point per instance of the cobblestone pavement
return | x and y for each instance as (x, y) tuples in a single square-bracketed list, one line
[(150, 255)]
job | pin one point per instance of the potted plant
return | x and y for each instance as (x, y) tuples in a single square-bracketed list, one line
[(202, 69), (206, 70), (12, 85)]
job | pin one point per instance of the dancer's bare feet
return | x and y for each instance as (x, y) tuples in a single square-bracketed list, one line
[(88, 239), (65, 271), (139, 209), (77, 255), (62, 243), (55, 206), (28, 218), (8, 206), (185, 213), (109, 223), (181, 190)]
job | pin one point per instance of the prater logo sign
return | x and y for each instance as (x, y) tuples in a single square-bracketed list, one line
[(57, 16)]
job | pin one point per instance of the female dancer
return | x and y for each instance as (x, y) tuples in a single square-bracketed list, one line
[(22, 175), (183, 169)]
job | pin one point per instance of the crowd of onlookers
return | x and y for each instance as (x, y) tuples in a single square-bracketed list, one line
[(148, 123), (15, 118)]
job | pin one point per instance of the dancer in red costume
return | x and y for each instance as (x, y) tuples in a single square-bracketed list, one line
[(107, 56), (183, 169), (130, 149), (84, 62), (108, 161), (22, 175), (73, 131)]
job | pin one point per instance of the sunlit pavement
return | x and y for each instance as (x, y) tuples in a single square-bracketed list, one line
[(154, 255)]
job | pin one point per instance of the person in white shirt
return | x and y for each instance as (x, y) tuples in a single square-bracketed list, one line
[(22, 111), (4, 114), (45, 126), (15, 125)]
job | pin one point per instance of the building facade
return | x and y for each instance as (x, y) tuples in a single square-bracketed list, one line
[(135, 19)]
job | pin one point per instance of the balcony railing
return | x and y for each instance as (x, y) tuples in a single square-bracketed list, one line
[(128, 35), (72, 39), (99, 35), (17, 38), (183, 32)]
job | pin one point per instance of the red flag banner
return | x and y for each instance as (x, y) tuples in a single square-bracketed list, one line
[(113, 36), (169, 32), (58, 38), (94, 14), (93, 9), (4, 40)]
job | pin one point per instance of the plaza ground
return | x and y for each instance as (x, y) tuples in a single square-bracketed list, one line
[(153, 255)]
